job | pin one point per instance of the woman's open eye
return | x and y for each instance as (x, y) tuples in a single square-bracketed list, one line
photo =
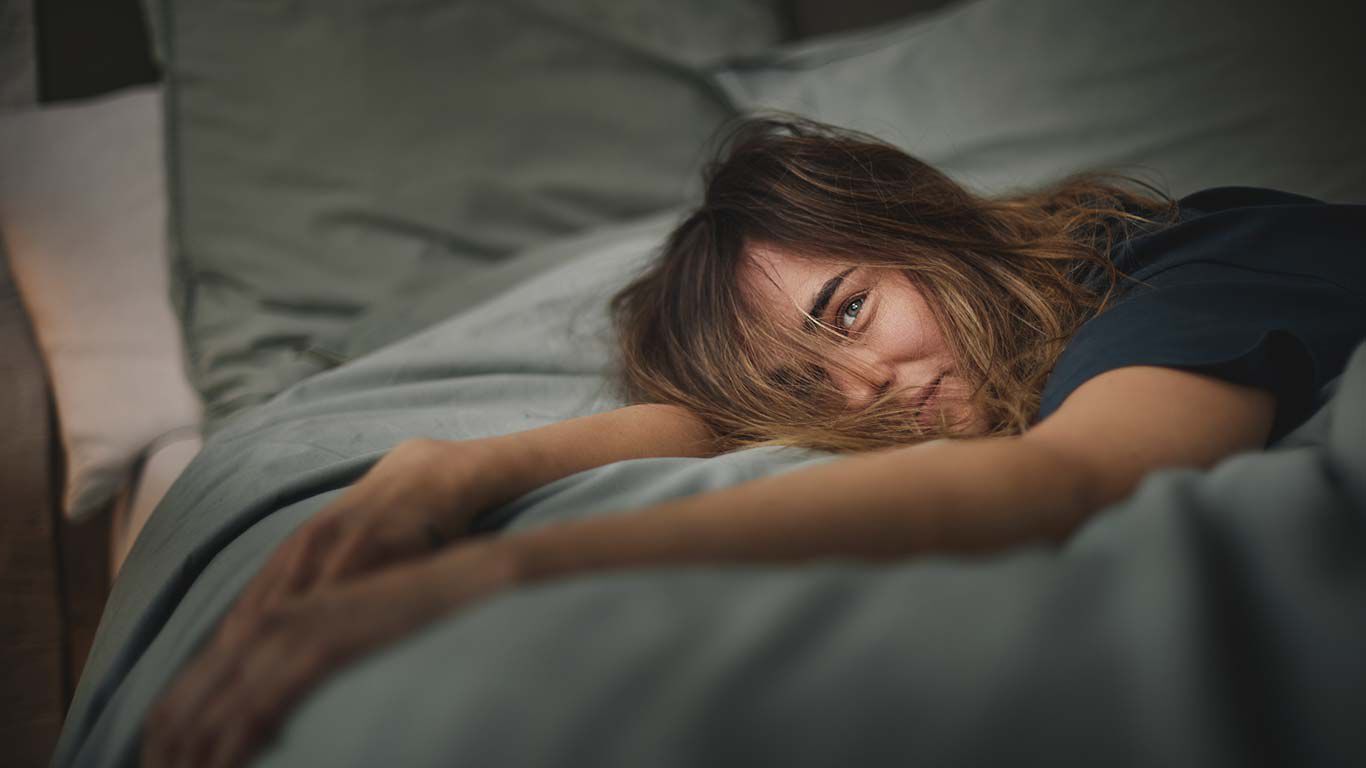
[(850, 311)]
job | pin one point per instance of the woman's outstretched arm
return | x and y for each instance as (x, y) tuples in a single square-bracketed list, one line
[(946, 496), (425, 493), (521, 462)]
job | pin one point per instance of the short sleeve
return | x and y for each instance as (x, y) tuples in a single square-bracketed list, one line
[(1288, 336), (1253, 286)]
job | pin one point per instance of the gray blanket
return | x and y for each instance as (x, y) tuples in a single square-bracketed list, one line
[(1212, 618)]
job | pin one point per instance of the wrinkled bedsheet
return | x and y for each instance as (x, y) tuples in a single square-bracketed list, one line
[(1213, 618)]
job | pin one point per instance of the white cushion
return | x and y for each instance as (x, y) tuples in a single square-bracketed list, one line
[(83, 216)]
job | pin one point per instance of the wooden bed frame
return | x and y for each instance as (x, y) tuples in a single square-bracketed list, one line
[(53, 573)]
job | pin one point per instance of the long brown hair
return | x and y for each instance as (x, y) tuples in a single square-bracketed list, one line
[(1009, 280)]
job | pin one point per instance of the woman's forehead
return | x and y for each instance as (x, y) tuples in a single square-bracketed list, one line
[(776, 274)]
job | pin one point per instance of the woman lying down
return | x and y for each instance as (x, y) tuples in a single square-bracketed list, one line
[(997, 369)]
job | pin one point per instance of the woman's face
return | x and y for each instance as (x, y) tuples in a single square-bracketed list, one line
[(898, 344)]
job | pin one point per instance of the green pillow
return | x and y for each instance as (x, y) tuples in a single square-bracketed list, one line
[(329, 158), (1002, 94)]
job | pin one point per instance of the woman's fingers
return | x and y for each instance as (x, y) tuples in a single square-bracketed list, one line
[(232, 698), (376, 542), (300, 570), (293, 567), (167, 736), (273, 675), (388, 516), (238, 688), (357, 551), (263, 607), (218, 701)]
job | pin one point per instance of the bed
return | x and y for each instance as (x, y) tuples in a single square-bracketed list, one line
[(364, 247)]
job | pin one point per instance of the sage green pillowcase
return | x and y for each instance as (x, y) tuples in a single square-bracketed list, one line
[(1189, 94), (328, 158)]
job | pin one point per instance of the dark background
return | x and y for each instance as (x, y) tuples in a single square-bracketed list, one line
[(88, 47)]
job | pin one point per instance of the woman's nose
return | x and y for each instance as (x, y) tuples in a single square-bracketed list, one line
[(880, 376), (875, 377)]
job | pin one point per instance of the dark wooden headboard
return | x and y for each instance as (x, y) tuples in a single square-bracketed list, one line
[(31, 637), (54, 574)]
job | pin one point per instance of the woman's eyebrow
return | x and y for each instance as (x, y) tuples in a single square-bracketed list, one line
[(822, 299)]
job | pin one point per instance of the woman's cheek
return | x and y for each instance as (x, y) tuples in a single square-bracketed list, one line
[(955, 401)]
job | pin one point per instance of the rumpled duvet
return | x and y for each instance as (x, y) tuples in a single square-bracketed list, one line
[(1212, 618)]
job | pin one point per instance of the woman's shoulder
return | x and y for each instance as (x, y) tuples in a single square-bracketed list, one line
[(1259, 286), (1253, 228), (1215, 199), (1210, 213)]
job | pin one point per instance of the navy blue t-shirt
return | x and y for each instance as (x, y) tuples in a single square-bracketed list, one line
[(1252, 285)]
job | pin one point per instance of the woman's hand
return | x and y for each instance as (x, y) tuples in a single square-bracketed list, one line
[(232, 697), (426, 492), (420, 496)]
